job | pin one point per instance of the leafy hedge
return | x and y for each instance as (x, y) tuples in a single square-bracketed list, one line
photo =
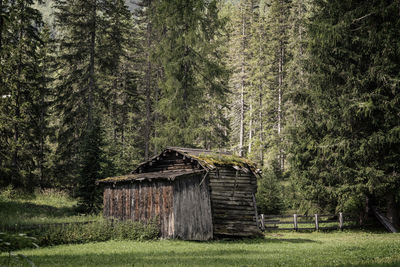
[(94, 232)]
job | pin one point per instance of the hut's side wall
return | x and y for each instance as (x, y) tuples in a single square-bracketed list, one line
[(142, 201), (232, 201), (192, 208)]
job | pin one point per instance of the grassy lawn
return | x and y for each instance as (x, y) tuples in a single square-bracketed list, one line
[(279, 249), (40, 208)]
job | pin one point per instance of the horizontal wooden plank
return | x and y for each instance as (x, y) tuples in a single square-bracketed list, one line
[(231, 203), (239, 189), (228, 177), (231, 187), (232, 181), (229, 211), (229, 193), (247, 198), (233, 207), (229, 221), (234, 217)]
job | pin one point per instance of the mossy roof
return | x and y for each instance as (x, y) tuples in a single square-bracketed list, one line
[(167, 175), (208, 159)]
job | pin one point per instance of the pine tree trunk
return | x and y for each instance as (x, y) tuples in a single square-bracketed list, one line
[(91, 64), (250, 127), (241, 134), (1, 26), (148, 90), (17, 109), (261, 127)]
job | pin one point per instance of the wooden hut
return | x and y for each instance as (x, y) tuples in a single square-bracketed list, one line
[(194, 194)]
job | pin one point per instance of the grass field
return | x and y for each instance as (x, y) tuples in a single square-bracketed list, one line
[(43, 207), (279, 249), (349, 248)]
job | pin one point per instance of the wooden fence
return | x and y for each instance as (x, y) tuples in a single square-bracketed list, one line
[(310, 222)]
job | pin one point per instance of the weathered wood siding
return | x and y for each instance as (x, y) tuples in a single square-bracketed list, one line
[(169, 161), (142, 201), (192, 208), (232, 202)]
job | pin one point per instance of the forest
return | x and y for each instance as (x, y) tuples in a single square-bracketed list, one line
[(309, 90)]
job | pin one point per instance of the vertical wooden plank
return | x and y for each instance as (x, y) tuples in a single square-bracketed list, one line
[(150, 202), (255, 209), (132, 200), (262, 222), (295, 222), (128, 202), (316, 222), (144, 205), (340, 220), (139, 203), (123, 202)]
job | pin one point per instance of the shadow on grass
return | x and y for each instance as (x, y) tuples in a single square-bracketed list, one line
[(15, 211)]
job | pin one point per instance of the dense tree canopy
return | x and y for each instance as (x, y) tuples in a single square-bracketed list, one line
[(308, 89)]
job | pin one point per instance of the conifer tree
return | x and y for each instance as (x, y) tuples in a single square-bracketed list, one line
[(346, 145), (193, 74), (89, 193), (23, 87), (77, 88)]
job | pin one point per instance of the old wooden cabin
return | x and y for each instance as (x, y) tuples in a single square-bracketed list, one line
[(194, 194)]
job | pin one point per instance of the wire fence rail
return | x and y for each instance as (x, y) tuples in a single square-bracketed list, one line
[(314, 222)]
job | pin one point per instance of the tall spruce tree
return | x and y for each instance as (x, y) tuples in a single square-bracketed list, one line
[(346, 143), (23, 89), (118, 77), (78, 92), (193, 74)]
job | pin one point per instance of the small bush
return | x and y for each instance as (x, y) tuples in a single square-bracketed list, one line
[(95, 232), (269, 194)]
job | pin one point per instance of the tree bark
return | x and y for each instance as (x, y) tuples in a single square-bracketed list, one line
[(1, 25), (241, 134), (91, 64), (148, 92), (250, 127)]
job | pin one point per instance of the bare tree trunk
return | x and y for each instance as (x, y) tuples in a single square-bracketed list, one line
[(1, 25), (280, 83), (241, 134), (148, 90), (91, 63), (17, 109), (250, 127)]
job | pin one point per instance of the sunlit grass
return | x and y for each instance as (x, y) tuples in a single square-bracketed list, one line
[(277, 249)]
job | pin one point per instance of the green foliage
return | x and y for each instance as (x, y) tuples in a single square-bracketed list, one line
[(193, 86), (18, 209), (24, 93), (270, 192), (96, 232), (11, 242), (89, 194), (345, 147)]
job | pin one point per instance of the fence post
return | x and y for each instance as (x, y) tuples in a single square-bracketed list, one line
[(262, 222), (295, 222), (340, 220), (316, 222)]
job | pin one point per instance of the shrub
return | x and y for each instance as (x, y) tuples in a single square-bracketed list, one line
[(269, 193), (95, 232)]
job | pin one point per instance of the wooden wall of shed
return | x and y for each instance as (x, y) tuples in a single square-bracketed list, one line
[(142, 201), (192, 208), (233, 204)]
